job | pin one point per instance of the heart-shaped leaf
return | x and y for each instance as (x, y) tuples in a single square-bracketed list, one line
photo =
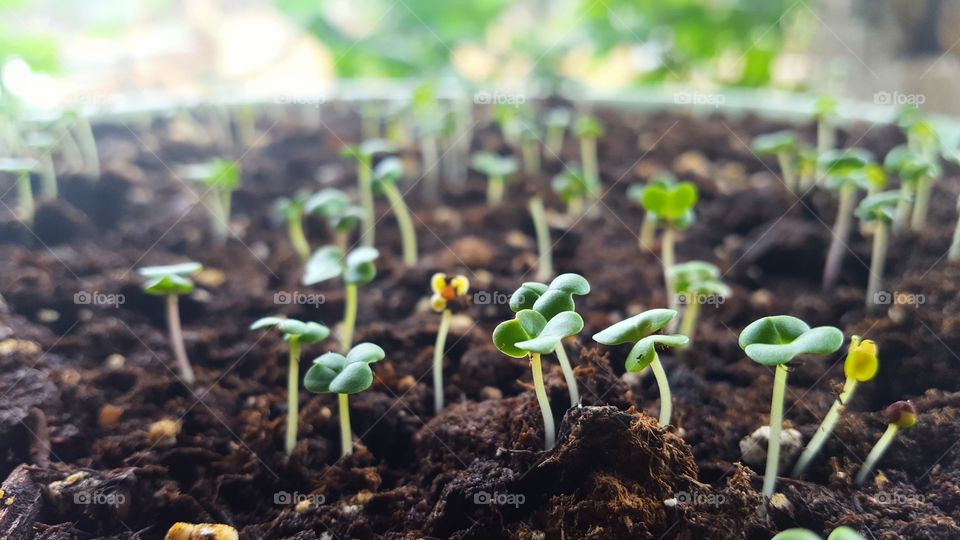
[(551, 299), (506, 335), (367, 353), (779, 339), (635, 328), (304, 332), (325, 263), (334, 373), (326, 203), (670, 203), (182, 269)]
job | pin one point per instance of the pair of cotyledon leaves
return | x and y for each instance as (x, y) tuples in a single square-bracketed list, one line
[(640, 330), (306, 333), (328, 262), (170, 279), (778, 339), (667, 201), (335, 373), (544, 316)]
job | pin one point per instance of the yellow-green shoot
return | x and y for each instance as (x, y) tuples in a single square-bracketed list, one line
[(171, 281), (446, 292), (219, 178), (341, 215), (844, 171), (923, 139), (364, 154), (783, 145), (825, 113), (899, 416), (878, 209), (497, 169), (354, 269), (588, 129), (530, 149), (696, 283), (571, 188), (291, 210), (385, 176), (21, 168), (671, 207), (557, 121)]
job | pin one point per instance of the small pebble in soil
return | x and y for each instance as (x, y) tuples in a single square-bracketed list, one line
[(753, 447), (22, 346), (471, 251), (897, 314), (201, 531), (163, 433), (302, 506), (109, 415), (692, 162), (490, 392), (210, 277), (48, 316), (406, 383), (115, 361), (781, 502), (70, 377), (518, 240), (761, 300), (461, 323)]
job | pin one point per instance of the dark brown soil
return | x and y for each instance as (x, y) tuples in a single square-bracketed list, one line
[(614, 473)]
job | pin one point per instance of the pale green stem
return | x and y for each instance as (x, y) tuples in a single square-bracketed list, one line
[(298, 239), (826, 136), (408, 235), (666, 402), (25, 196), (176, 340), (365, 184), (788, 172), (293, 394), (776, 420), (825, 429), (903, 207), (549, 437), (575, 207), (647, 231), (877, 452), (346, 439), (341, 239), (921, 203), (955, 244), (545, 260), (430, 155), (531, 157), (349, 317), (877, 261), (841, 232), (554, 142), (438, 361), (88, 143), (219, 226), (494, 190), (668, 259), (690, 316), (591, 171), (48, 176), (567, 369)]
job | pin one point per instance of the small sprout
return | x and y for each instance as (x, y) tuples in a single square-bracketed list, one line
[(334, 373), (295, 333), (386, 175), (878, 209), (529, 333), (551, 300), (21, 168), (641, 331), (557, 121), (497, 169), (334, 206), (825, 112), (923, 139), (291, 210), (844, 171), (509, 119), (172, 281), (861, 365), (914, 169), (783, 145), (775, 341), (589, 129), (530, 149), (571, 188), (899, 415), (355, 269), (220, 178), (695, 283), (364, 154), (671, 205), (445, 293), (649, 227)]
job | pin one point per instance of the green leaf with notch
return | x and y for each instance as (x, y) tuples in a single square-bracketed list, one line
[(779, 339)]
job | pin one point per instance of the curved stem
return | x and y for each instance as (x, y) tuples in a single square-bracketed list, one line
[(776, 420), (903, 207), (176, 339), (408, 235), (349, 317), (438, 350), (877, 262), (293, 394), (341, 239), (298, 239), (921, 203), (494, 190), (666, 401), (25, 197), (346, 439), (575, 207), (365, 184), (690, 315), (545, 260), (877, 452), (549, 436), (825, 429), (841, 232), (568, 376), (647, 231)]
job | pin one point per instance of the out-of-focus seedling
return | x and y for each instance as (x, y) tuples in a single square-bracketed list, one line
[(648, 229), (923, 139), (557, 121), (671, 205), (783, 145), (641, 331), (542, 230), (589, 129), (334, 373), (899, 415), (845, 173), (355, 269), (878, 209), (172, 281), (21, 168), (953, 156), (445, 293), (860, 366), (497, 169), (386, 175), (571, 187), (912, 168), (41, 146), (774, 341), (219, 178), (291, 210), (430, 118), (825, 112), (530, 149), (364, 154), (696, 283), (342, 217), (295, 333)]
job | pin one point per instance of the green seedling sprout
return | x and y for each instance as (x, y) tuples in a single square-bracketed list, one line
[(371, 115), (172, 281), (497, 169), (694, 283), (334, 373), (845, 173), (296, 334), (291, 210), (825, 113), (672, 208), (899, 415), (922, 139), (386, 175), (783, 145), (878, 209), (509, 119), (342, 217), (589, 129), (807, 167), (430, 123), (876, 180), (21, 168), (774, 341), (840, 533), (529, 333), (530, 149), (41, 145), (355, 269), (220, 178), (641, 330), (551, 300), (542, 230), (648, 229), (364, 154), (445, 293), (861, 365), (557, 121), (82, 133), (571, 188), (912, 168)]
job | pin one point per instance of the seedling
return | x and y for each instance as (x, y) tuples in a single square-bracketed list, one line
[(342, 216), (41, 145), (782, 144), (295, 333), (172, 281), (641, 331), (445, 293), (531, 334), (530, 149), (497, 169), (878, 209), (334, 373), (912, 168), (672, 208), (571, 187), (844, 170), (695, 283), (221, 178), (355, 269), (21, 168), (922, 139), (551, 300), (430, 122), (774, 341), (364, 153), (648, 229), (291, 210), (589, 129), (860, 366), (386, 175), (557, 121), (899, 415), (508, 119), (840, 533), (825, 112)]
